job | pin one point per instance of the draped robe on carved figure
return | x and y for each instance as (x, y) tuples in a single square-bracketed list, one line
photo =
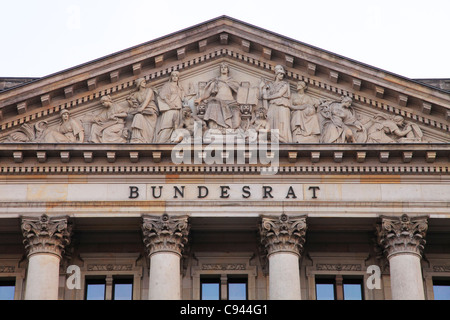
[(170, 103), (219, 91)]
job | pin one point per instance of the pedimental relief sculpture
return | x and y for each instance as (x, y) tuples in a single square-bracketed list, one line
[(223, 104)]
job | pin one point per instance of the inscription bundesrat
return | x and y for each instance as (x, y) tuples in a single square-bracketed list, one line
[(224, 192)]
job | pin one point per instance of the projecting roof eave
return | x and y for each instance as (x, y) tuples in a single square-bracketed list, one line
[(215, 20)]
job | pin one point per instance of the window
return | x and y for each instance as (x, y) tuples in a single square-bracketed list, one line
[(441, 289), (353, 289), (211, 287), (122, 288), (237, 288), (325, 289), (7, 288), (95, 288), (339, 288)]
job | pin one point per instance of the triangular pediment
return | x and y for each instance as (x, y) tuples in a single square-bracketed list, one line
[(383, 104)]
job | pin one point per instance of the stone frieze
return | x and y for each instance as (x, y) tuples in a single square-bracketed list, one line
[(221, 104)]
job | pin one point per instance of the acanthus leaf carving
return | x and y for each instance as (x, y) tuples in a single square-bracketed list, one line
[(46, 235), (402, 235), (283, 234), (165, 234)]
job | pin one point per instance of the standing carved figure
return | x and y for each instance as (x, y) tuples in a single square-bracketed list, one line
[(170, 102), (305, 124), (108, 125), (68, 130), (144, 111), (221, 102), (277, 93), (339, 123)]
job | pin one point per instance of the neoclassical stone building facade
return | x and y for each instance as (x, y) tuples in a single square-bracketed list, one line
[(224, 162)]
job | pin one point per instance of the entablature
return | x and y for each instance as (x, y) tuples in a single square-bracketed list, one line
[(201, 159)]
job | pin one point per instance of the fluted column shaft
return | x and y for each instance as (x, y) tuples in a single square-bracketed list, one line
[(283, 238), (165, 238), (403, 240), (45, 240)]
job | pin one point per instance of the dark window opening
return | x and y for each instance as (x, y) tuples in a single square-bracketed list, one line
[(7, 288)]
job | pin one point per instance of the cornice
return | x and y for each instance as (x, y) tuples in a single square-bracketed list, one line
[(117, 159)]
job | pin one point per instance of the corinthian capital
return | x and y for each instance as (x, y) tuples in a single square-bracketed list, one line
[(283, 234), (402, 235), (164, 233), (46, 235)]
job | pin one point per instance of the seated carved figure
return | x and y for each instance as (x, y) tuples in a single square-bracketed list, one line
[(305, 124), (339, 123), (68, 130), (108, 125), (221, 103)]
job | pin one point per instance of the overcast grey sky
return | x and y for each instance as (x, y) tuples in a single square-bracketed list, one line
[(406, 37)]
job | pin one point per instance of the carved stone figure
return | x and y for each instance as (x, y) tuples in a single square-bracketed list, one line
[(187, 124), (108, 125), (382, 129), (339, 123), (224, 105), (68, 130), (277, 94), (170, 102), (414, 134), (392, 129), (221, 103), (29, 133), (144, 111), (261, 125), (305, 124)]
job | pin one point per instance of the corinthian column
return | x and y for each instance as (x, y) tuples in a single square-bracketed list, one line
[(283, 238), (402, 240), (165, 238), (45, 240)]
